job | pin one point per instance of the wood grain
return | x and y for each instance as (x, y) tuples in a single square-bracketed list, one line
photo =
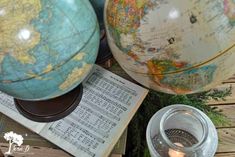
[(225, 155), (230, 80), (36, 152), (226, 140), (229, 111), (226, 133), (41, 152), (228, 100)]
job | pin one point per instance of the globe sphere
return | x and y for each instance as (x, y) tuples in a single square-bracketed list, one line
[(173, 46), (47, 47)]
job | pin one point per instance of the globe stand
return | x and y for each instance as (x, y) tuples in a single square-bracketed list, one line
[(104, 52), (52, 109)]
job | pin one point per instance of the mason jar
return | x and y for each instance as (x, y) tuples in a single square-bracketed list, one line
[(181, 131)]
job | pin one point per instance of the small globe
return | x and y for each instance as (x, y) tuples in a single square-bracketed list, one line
[(173, 46), (47, 47)]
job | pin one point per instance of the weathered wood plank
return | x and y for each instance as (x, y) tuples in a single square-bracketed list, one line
[(32, 139), (228, 100), (35, 152), (40, 151), (229, 112), (230, 80), (225, 155), (226, 140)]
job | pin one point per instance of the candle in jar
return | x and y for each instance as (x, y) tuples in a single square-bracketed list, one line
[(174, 153)]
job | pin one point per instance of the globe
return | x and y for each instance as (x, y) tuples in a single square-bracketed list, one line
[(99, 9), (47, 47), (173, 46)]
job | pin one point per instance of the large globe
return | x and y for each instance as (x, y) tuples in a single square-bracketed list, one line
[(47, 47), (173, 46)]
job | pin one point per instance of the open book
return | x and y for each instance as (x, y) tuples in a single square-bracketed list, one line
[(108, 104)]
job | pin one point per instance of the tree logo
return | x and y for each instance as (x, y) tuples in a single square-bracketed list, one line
[(13, 139)]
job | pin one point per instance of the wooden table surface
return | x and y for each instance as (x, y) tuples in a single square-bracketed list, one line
[(226, 133)]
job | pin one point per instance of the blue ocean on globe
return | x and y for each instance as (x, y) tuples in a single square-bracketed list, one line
[(47, 47)]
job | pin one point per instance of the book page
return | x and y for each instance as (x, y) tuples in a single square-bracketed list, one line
[(107, 106), (7, 107)]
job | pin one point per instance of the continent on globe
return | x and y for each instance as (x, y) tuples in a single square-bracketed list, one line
[(47, 47), (177, 47), (17, 35)]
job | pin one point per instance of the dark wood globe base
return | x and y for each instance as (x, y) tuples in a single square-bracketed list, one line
[(52, 109), (104, 52)]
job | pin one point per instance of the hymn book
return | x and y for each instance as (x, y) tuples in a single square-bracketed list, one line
[(108, 104)]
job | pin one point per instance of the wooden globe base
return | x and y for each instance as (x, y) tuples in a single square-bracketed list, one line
[(52, 109), (104, 52)]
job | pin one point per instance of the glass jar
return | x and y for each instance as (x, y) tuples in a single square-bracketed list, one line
[(181, 131)]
